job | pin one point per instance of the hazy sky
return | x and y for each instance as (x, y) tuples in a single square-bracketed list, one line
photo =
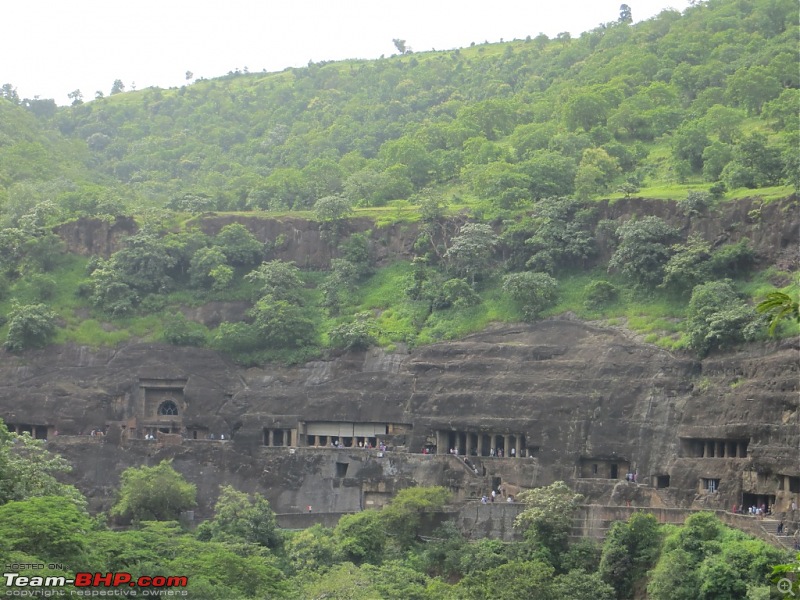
[(52, 47)]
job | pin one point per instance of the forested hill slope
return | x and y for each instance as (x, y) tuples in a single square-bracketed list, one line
[(499, 152), (707, 96)]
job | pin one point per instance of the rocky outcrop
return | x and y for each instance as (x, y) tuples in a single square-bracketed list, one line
[(772, 229), (570, 400)]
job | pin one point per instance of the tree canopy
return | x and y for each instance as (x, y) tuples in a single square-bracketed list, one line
[(156, 493)]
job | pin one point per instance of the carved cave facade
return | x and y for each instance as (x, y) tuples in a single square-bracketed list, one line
[(516, 407)]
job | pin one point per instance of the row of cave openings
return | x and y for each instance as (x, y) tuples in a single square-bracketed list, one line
[(471, 443), (715, 448), (39, 432)]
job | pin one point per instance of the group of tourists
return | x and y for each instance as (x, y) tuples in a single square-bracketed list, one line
[(493, 452), (367, 445), (493, 496)]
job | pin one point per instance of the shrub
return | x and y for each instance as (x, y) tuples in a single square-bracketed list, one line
[(180, 331), (717, 318), (599, 293), (360, 334), (30, 326), (157, 493), (535, 291)]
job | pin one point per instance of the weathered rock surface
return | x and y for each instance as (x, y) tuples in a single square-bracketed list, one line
[(588, 404), (771, 228)]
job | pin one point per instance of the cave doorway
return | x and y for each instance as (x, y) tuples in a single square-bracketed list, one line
[(496, 481), (758, 500)]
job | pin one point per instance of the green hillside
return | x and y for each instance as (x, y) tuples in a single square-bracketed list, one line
[(498, 152)]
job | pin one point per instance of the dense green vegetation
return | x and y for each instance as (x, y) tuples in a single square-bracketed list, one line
[(391, 554), (497, 153)]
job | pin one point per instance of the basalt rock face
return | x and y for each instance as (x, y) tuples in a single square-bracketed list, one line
[(562, 399), (771, 228)]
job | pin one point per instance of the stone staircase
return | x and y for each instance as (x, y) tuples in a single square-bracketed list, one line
[(765, 529)]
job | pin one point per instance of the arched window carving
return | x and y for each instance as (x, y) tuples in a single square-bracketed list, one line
[(168, 408)]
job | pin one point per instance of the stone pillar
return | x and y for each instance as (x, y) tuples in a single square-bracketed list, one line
[(708, 450), (506, 449), (439, 446), (480, 444), (269, 437), (289, 437), (468, 445), (518, 447)]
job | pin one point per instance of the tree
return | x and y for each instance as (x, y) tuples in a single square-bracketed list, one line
[(511, 581), (715, 157), (695, 203), (562, 235), (625, 14), (109, 293), (332, 212), (280, 280), (400, 45), (455, 292), (239, 518), (281, 323), (360, 537), (51, 528), (9, 92), (345, 581), (144, 263), (359, 334), (689, 142), (338, 284), (755, 163), (240, 247), (471, 249), (674, 577), (156, 493), (547, 518), (396, 580), (118, 87), (595, 173), (551, 174), (27, 470), (752, 87), (629, 551), (76, 96), (312, 549), (500, 182), (717, 318), (643, 250), (410, 510), (585, 110), (534, 291), (689, 265), (30, 326), (204, 262)]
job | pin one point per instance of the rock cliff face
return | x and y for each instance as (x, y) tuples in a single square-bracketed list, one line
[(559, 399), (771, 228)]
